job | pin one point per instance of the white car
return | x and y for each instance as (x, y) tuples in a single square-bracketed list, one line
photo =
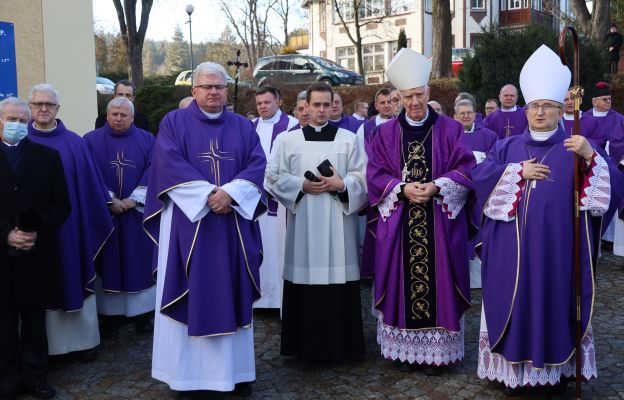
[(104, 85)]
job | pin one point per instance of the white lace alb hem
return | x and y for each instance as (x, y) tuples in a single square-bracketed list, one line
[(504, 197), (453, 196), (434, 346), (493, 366)]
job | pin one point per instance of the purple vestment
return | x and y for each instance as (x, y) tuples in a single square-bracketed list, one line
[(589, 128), (450, 159), (89, 225), (125, 264), (294, 128), (481, 139), (527, 264), (612, 127), (347, 122), (213, 264), (506, 124)]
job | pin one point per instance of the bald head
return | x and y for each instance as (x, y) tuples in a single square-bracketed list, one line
[(508, 96)]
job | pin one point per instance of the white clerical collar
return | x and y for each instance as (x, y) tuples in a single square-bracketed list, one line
[(318, 128), (600, 113), (335, 120), (212, 115), (419, 122), (570, 117), (542, 136), (272, 119), (512, 109), (358, 117), (380, 120), (34, 124), (471, 129)]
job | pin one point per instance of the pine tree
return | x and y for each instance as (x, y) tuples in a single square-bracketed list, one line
[(402, 41), (177, 52)]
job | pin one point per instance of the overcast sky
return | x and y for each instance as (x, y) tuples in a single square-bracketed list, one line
[(208, 22)]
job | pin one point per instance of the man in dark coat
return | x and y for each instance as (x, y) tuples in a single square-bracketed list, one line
[(34, 206), (613, 40)]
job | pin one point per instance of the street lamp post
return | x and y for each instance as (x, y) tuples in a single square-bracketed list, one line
[(189, 10)]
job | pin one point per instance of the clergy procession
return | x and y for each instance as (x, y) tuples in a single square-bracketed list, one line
[(193, 232)]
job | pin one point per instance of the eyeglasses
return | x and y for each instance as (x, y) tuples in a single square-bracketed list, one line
[(545, 107), (465, 113), (39, 104), (605, 99), (394, 100), (211, 87)]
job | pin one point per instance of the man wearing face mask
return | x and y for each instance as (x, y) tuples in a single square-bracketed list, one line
[(74, 325), (34, 206)]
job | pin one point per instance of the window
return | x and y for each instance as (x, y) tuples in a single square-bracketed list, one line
[(300, 63), (401, 6), (395, 44), (322, 16), (373, 57), (475, 39), (514, 4), (269, 66), (536, 5), (346, 10), (477, 4), (283, 65), (428, 7), (367, 9), (345, 56)]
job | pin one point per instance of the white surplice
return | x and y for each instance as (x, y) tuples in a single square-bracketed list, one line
[(74, 330), (272, 228), (315, 259), (207, 363)]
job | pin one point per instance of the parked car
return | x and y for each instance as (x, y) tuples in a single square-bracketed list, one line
[(303, 69), (457, 58), (184, 79), (104, 85)]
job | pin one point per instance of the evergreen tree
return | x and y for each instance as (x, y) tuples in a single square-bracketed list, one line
[(501, 53), (402, 41), (177, 55)]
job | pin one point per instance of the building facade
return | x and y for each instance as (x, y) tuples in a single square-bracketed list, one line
[(329, 38)]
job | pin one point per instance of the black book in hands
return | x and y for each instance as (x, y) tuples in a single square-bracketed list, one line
[(325, 170)]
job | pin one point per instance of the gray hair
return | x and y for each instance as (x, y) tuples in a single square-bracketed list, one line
[(467, 96), (210, 68), (120, 102), (464, 103), (302, 95), (16, 102), (44, 88)]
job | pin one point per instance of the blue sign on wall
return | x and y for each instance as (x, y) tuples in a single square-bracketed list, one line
[(8, 71)]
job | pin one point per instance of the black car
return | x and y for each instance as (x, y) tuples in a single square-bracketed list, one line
[(303, 69)]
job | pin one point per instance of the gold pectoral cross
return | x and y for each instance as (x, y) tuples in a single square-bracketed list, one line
[(214, 158), (507, 131)]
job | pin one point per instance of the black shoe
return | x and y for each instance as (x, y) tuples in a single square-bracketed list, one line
[(44, 391), (243, 389), (89, 355), (434, 370), (144, 326), (512, 392), (407, 367)]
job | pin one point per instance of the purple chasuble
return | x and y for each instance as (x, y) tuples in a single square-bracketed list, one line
[(280, 126), (125, 264), (478, 118), (294, 128), (450, 159), (89, 225), (213, 265), (589, 129), (481, 139), (527, 264), (507, 124), (612, 127), (347, 122)]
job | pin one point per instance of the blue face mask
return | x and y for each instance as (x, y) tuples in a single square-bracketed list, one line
[(14, 131)]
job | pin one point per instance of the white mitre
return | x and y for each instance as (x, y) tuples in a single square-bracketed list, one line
[(408, 69), (544, 77)]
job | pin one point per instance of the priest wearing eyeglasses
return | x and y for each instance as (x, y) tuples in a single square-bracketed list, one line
[(419, 181), (204, 195), (525, 189)]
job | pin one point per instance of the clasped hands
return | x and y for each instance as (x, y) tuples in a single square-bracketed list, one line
[(219, 201), (531, 169), (21, 240), (332, 183), (419, 193), (121, 206)]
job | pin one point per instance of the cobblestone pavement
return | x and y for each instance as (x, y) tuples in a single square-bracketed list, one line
[(122, 370)]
